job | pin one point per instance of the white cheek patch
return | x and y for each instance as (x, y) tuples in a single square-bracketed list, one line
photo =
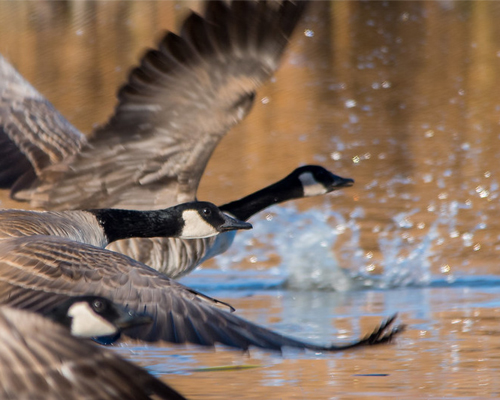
[(311, 186), (86, 323), (195, 226)]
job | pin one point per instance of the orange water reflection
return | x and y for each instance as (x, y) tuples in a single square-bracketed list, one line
[(403, 97)]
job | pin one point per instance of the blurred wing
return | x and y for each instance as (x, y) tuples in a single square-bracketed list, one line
[(174, 110), (33, 135), (38, 272), (41, 360)]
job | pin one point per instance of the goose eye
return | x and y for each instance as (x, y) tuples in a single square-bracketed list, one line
[(98, 305), (207, 212)]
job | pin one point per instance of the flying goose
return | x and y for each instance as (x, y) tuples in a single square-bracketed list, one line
[(103, 226), (173, 111), (39, 272), (40, 360)]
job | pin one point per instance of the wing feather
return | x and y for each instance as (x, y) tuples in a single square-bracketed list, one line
[(33, 134), (173, 111), (54, 268)]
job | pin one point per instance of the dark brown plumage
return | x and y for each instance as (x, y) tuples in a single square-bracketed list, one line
[(40, 360)]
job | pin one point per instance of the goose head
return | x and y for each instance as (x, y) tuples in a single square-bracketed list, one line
[(95, 316), (316, 180), (203, 219)]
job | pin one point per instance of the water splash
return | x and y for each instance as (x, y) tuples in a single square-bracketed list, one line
[(321, 248)]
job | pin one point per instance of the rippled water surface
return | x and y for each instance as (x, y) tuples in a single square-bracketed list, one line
[(403, 97)]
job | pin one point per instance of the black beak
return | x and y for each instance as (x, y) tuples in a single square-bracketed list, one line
[(130, 318), (339, 183), (231, 224)]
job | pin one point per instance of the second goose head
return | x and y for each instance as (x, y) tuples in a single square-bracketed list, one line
[(316, 180), (95, 316), (196, 219), (305, 181)]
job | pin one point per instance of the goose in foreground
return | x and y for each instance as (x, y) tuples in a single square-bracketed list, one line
[(176, 257), (39, 359), (39, 272), (100, 227), (173, 111)]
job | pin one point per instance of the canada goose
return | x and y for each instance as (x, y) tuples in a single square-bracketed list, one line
[(95, 317), (103, 226), (175, 108), (39, 359), (173, 111), (39, 272), (176, 257)]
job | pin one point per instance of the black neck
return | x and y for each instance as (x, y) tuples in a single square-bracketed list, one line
[(124, 224), (281, 191), (59, 315)]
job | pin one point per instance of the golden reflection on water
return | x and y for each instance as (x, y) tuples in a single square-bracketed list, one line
[(400, 95)]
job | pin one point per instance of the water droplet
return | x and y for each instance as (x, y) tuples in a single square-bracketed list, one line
[(336, 156), (427, 178), (340, 228), (386, 84), (253, 259), (442, 196), (355, 159), (369, 255), (79, 32), (476, 247), (429, 133), (454, 234), (484, 193), (309, 33), (265, 100), (487, 174), (467, 239), (421, 225), (465, 146), (445, 269), (370, 267), (350, 103)]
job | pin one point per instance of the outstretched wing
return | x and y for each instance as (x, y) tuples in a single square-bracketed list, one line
[(38, 272), (33, 135), (41, 360), (174, 110)]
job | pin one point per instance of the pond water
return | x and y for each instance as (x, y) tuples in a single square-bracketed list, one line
[(401, 96)]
